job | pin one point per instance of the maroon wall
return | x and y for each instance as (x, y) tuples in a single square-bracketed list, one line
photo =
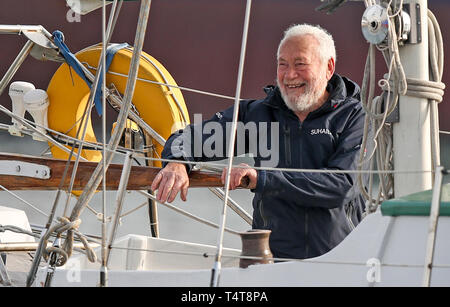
[(199, 41)]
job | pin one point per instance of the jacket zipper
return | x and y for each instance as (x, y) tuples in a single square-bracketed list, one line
[(300, 127), (287, 144)]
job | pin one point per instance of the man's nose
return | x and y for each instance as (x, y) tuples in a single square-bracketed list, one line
[(291, 73)]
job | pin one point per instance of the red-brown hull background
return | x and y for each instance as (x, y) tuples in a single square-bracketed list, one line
[(199, 41)]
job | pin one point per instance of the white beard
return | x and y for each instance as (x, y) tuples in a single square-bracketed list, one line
[(307, 101)]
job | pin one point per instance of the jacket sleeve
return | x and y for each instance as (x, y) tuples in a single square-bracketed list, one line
[(314, 189), (203, 140)]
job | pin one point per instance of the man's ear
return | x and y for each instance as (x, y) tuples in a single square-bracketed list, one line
[(330, 68)]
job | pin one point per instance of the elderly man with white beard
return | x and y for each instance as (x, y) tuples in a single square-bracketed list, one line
[(319, 120)]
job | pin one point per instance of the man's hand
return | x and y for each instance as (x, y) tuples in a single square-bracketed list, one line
[(169, 181), (238, 173)]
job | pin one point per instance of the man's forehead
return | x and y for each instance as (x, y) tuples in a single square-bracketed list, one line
[(299, 43), (296, 52)]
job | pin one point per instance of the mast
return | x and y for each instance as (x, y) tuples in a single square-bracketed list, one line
[(411, 90), (411, 135)]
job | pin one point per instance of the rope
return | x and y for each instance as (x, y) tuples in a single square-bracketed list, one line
[(378, 146), (63, 225), (431, 90), (436, 54), (393, 84), (17, 229)]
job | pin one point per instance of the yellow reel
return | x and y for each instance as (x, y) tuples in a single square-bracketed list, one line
[(161, 107)]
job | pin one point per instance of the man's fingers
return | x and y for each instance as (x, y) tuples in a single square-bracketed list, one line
[(165, 188), (238, 177), (170, 181), (175, 189), (160, 187), (172, 194), (184, 191), (235, 177), (224, 175), (156, 181)]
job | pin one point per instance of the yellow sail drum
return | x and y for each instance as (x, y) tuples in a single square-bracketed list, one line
[(161, 107)]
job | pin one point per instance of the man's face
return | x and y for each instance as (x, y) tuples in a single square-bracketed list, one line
[(301, 75)]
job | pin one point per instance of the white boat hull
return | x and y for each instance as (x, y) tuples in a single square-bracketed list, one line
[(381, 251)]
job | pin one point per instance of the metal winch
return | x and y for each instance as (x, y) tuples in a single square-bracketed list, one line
[(375, 24)]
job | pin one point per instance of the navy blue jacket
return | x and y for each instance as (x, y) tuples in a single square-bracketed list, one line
[(308, 213)]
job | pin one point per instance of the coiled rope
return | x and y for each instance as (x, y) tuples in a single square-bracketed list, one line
[(63, 225), (377, 139)]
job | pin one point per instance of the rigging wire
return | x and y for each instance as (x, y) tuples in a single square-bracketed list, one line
[(378, 109), (394, 84), (215, 272)]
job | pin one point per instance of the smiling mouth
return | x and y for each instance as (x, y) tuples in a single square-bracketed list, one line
[(295, 85)]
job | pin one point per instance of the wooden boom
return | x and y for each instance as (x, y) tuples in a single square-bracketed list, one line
[(141, 177)]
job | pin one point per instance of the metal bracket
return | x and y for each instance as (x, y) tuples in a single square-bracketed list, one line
[(394, 117), (44, 49), (39, 38), (415, 35), (25, 169), (46, 54)]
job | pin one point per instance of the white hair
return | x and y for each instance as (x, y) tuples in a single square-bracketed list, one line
[(327, 50)]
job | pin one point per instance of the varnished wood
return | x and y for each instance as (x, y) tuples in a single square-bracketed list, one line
[(141, 177)]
